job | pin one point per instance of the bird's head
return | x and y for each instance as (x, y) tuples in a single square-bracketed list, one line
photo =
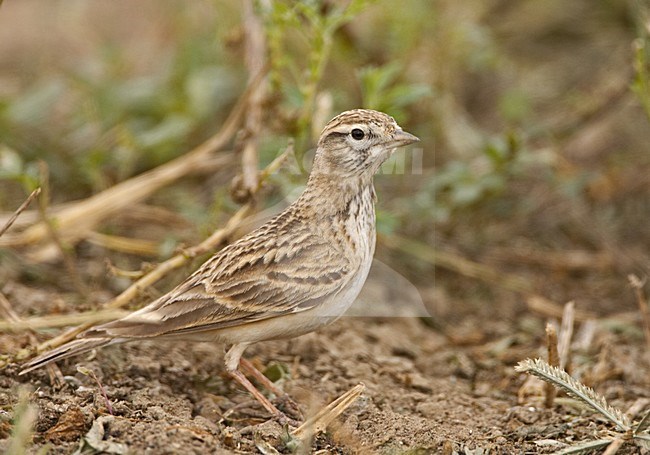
[(356, 143)]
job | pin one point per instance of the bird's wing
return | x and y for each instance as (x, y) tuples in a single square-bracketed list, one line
[(263, 275)]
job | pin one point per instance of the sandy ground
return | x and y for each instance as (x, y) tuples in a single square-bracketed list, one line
[(425, 392)]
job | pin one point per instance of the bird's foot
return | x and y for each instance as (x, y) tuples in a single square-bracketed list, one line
[(288, 406), (285, 420)]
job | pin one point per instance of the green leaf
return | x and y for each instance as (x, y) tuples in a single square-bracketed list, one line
[(11, 164), (466, 194), (208, 89), (174, 127), (35, 106)]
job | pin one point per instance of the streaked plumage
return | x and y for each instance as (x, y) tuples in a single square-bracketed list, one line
[(296, 273)]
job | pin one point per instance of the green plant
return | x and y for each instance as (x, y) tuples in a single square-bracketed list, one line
[(24, 418), (297, 75), (102, 122), (641, 83), (470, 184), (381, 90)]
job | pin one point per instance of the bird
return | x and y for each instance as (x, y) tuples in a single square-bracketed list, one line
[(296, 273)]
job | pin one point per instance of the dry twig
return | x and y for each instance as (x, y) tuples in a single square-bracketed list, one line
[(637, 284), (566, 334), (6, 310), (124, 244), (138, 211), (545, 307), (319, 421), (20, 210), (472, 269), (457, 263), (613, 447), (565, 260), (256, 51), (66, 252), (12, 321), (553, 360), (639, 405), (60, 320)]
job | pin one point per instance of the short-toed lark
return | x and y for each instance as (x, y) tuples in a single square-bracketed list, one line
[(298, 272)]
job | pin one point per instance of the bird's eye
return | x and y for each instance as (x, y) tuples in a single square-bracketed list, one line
[(357, 134)]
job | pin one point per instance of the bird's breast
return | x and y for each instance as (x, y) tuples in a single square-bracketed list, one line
[(360, 224), (359, 227)]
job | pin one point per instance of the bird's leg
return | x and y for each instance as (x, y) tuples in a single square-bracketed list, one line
[(232, 359), (239, 377), (269, 385), (249, 369)]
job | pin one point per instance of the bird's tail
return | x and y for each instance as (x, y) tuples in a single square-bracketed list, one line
[(70, 349)]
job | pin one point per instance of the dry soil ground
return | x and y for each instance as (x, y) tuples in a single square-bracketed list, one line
[(427, 392)]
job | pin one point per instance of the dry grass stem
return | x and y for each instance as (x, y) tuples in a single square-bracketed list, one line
[(124, 244), (551, 343), (566, 335), (644, 424), (322, 112), (637, 407), (533, 388), (545, 307), (457, 264), (585, 447), (148, 214), (20, 209), (11, 317), (638, 284), (136, 211), (60, 320), (75, 221), (325, 416), (472, 269), (554, 360), (256, 51), (6, 310), (556, 260), (613, 447), (65, 251), (130, 274)]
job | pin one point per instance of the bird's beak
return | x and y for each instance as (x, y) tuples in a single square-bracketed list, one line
[(401, 138)]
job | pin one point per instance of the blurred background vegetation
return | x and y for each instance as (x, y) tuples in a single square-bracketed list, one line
[(533, 118)]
